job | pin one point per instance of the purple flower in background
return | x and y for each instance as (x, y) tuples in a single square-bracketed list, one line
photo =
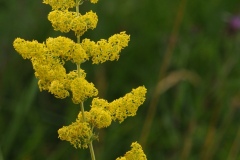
[(234, 22)]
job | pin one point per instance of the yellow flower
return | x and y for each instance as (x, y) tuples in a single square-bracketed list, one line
[(60, 4), (58, 89), (79, 134), (81, 23), (87, 116), (47, 67), (81, 90), (104, 50), (99, 103), (100, 118), (65, 21), (89, 46), (29, 49), (48, 70), (97, 117), (61, 20), (71, 76), (136, 153), (128, 105), (67, 49)]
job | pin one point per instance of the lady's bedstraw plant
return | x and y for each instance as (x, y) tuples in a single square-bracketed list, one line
[(48, 60)]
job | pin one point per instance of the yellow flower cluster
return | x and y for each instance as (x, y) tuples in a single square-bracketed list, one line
[(96, 117), (66, 49), (136, 153), (64, 4), (104, 50), (102, 113), (81, 90), (65, 21), (48, 60), (79, 134), (60, 4), (128, 105)]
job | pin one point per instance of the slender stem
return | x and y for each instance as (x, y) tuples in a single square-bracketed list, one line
[(78, 2), (82, 110), (92, 151), (77, 5), (78, 70), (81, 105), (78, 39)]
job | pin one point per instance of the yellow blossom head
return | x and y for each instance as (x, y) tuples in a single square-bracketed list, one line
[(79, 134), (87, 117), (65, 21), (29, 49), (60, 4), (136, 153), (100, 118), (81, 23), (47, 66), (99, 103), (58, 89), (106, 50), (66, 49), (128, 105), (61, 20), (82, 89)]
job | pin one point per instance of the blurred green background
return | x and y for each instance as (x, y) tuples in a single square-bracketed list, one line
[(186, 53)]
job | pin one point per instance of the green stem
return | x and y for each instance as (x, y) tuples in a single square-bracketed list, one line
[(78, 39), (77, 5), (78, 2), (82, 110), (78, 70), (81, 105), (91, 150), (84, 119)]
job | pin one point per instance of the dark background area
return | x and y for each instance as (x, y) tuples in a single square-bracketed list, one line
[(186, 53)]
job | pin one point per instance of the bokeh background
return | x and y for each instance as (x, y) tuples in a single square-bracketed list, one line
[(186, 53)]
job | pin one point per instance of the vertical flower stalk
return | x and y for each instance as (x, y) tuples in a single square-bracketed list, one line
[(48, 59)]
